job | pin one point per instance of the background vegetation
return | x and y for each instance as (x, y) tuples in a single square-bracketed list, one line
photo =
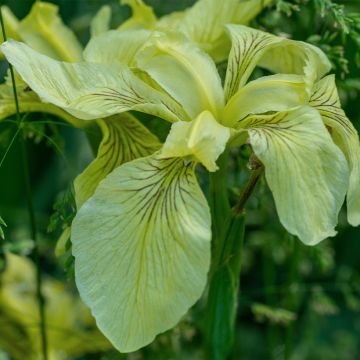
[(296, 302)]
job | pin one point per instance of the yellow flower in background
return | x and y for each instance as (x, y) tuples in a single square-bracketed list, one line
[(71, 330)]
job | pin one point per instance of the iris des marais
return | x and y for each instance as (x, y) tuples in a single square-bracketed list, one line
[(142, 240)]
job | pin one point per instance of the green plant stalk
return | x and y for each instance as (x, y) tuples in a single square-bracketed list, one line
[(270, 298), (30, 205), (292, 299), (224, 283)]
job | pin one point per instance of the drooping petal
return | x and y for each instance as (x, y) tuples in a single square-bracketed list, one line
[(142, 249), (326, 100), (29, 102), (252, 47), (268, 93), (142, 17), (185, 72), (116, 46), (203, 23), (88, 90), (202, 139), (44, 31), (101, 21), (306, 172), (124, 139)]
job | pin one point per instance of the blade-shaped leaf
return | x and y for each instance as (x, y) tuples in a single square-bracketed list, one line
[(88, 90), (124, 139), (142, 249), (306, 172), (326, 100)]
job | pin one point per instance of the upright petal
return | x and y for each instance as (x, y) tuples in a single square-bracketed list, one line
[(142, 263), (44, 31), (326, 100), (124, 139), (143, 16), (101, 21), (202, 139), (116, 46), (87, 90), (306, 172), (185, 72), (203, 23), (252, 47), (268, 93)]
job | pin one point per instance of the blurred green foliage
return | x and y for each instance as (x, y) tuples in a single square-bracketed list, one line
[(296, 302)]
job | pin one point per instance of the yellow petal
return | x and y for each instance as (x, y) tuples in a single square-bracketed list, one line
[(306, 172), (142, 17), (29, 102), (185, 72), (202, 139), (252, 47), (116, 46), (124, 139), (326, 100), (101, 21), (44, 31), (268, 93), (203, 23), (88, 90), (142, 249)]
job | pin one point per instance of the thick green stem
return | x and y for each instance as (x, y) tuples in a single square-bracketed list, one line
[(223, 291), (218, 197), (229, 228), (30, 205)]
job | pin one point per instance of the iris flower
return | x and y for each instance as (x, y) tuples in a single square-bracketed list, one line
[(142, 241)]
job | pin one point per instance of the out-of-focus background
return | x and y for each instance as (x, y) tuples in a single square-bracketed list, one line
[(296, 302)]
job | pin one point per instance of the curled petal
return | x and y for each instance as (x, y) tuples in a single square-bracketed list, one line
[(202, 139)]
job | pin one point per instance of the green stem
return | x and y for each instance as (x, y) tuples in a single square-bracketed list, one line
[(229, 224), (30, 205), (269, 276), (292, 298), (218, 197)]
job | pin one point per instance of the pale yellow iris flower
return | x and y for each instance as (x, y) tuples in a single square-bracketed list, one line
[(142, 241)]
